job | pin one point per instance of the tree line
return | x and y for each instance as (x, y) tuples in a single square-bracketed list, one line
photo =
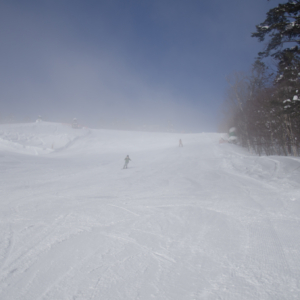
[(264, 104)]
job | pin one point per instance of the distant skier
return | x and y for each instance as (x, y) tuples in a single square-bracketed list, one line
[(180, 143), (127, 159)]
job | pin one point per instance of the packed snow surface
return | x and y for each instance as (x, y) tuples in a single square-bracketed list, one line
[(203, 221)]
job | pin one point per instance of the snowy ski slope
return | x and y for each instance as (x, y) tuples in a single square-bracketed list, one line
[(206, 221)]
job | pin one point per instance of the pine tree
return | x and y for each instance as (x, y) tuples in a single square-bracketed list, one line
[(282, 25), (282, 28)]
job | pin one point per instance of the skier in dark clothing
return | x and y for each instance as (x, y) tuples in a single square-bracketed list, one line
[(127, 159), (180, 143)]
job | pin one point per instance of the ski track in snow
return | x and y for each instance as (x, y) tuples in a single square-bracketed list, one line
[(205, 221)]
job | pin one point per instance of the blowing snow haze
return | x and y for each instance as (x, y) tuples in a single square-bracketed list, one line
[(123, 64)]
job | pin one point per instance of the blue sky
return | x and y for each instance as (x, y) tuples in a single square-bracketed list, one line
[(136, 63)]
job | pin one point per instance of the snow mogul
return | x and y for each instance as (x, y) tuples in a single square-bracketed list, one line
[(39, 119)]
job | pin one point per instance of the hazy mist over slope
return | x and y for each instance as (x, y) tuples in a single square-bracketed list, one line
[(122, 65)]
